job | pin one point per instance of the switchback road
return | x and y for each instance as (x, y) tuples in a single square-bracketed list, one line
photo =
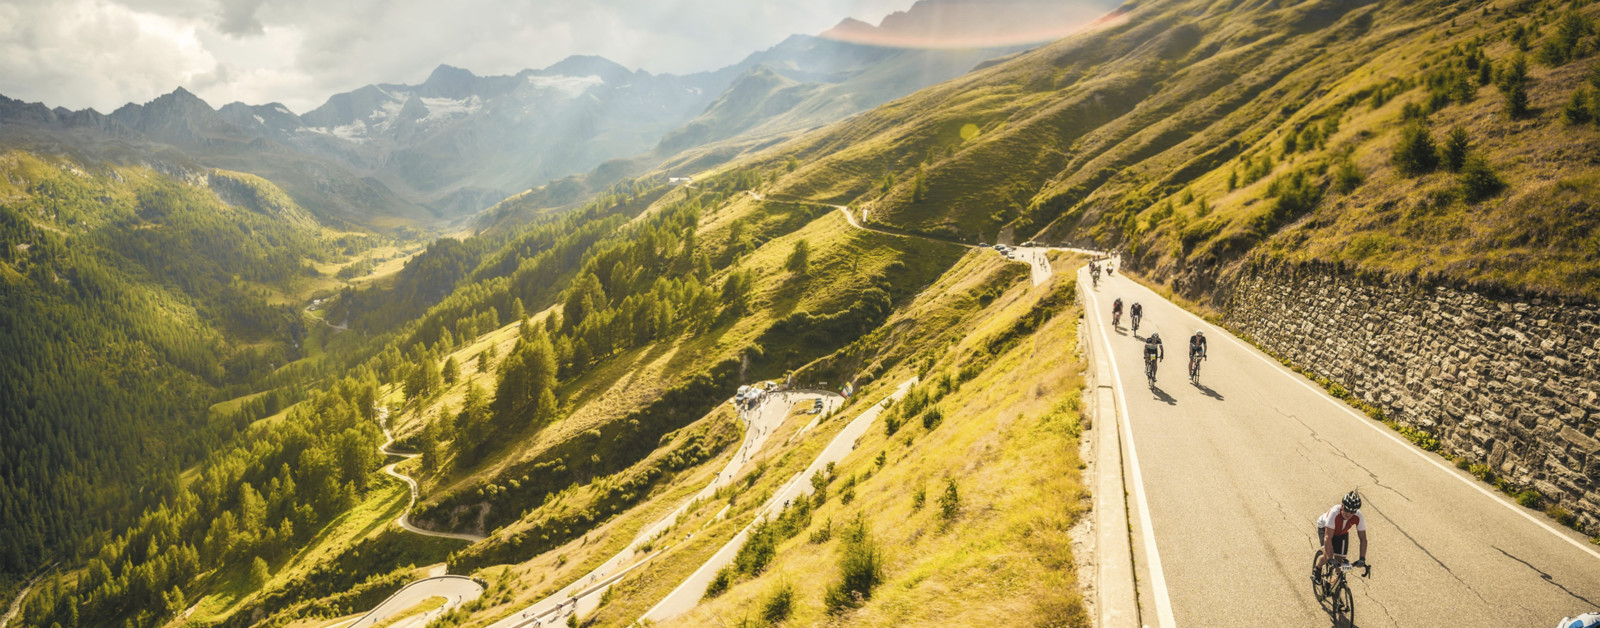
[(403, 520), (1227, 477), (583, 595), (688, 594)]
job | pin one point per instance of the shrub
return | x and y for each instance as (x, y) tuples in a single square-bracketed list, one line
[(758, 549), (932, 417), (1513, 84), (720, 582), (950, 501), (919, 497), (1561, 515), (822, 534), (1478, 180), (860, 568), (1530, 498), (1577, 109), (1346, 177), (819, 484), (1415, 153), (259, 575), (779, 604), (1482, 471), (1456, 149)]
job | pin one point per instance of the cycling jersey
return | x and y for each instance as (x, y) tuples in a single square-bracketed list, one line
[(1153, 349), (1137, 310), (1117, 307), (1331, 521), (1586, 620), (1197, 345)]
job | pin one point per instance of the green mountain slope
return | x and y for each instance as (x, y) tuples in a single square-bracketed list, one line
[(1193, 133), (133, 299)]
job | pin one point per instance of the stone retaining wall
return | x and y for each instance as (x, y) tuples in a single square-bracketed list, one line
[(1508, 380)]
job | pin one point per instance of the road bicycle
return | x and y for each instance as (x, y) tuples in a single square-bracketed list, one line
[(1150, 370), (1116, 318), (1328, 583), (1194, 367), (1136, 318)]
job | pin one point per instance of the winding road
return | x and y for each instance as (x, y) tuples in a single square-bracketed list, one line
[(688, 594), (403, 520), (1226, 477), (583, 595)]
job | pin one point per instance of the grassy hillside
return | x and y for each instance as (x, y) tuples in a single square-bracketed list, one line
[(1195, 133)]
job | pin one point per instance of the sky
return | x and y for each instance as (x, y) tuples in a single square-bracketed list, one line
[(105, 53)]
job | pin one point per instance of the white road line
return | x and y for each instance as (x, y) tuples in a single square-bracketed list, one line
[(1158, 580), (1381, 429)]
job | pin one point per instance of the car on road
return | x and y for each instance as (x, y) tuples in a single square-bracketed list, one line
[(1030, 243), (983, 245)]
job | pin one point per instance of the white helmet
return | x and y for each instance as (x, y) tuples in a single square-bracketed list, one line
[(1199, 332)]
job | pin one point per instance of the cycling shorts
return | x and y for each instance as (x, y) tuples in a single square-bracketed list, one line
[(1341, 542)]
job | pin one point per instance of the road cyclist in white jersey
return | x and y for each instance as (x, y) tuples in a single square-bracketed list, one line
[(1334, 526), (1586, 620)]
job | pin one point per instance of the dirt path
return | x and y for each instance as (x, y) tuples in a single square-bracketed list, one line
[(16, 604)]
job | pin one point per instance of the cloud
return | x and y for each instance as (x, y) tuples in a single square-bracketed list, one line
[(103, 53)]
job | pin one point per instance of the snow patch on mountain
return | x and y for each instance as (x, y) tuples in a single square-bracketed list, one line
[(569, 86), (450, 108)]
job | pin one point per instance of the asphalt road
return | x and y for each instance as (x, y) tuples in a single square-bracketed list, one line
[(404, 519), (687, 595), (583, 595), (456, 590), (1227, 477)]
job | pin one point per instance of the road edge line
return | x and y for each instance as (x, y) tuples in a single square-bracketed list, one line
[(1369, 422), (1158, 580), (1116, 587)]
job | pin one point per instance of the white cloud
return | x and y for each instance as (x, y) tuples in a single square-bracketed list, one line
[(103, 53)]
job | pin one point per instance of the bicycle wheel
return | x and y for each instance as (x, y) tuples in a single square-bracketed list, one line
[(1316, 576), (1344, 606)]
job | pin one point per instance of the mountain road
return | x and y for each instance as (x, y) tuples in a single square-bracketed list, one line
[(1227, 477)]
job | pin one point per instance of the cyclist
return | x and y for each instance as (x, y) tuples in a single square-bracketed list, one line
[(1153, 353), (1333, 529), (1094, 272), (1136, 312), (1197, 352), (1586, 620), (1116, 312)]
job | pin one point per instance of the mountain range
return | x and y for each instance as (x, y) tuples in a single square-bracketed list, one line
[(456, 143)]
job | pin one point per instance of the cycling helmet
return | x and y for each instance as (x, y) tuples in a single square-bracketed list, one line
[(1351, 502), (1156, 337), (1199, 332)]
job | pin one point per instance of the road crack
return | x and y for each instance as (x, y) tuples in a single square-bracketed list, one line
[(1546, 577), (1318, 437), (1443, 566)]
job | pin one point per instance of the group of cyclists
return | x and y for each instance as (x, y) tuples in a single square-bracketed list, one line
[(1094, 271), (1154, 351), (1335, 525)]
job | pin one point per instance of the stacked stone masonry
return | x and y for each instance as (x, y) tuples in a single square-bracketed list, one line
[(1504, 380)]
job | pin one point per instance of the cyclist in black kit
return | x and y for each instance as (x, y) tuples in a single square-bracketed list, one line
[(1197, 352), (1136, 312), (1154, 352), (1116, 312)]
